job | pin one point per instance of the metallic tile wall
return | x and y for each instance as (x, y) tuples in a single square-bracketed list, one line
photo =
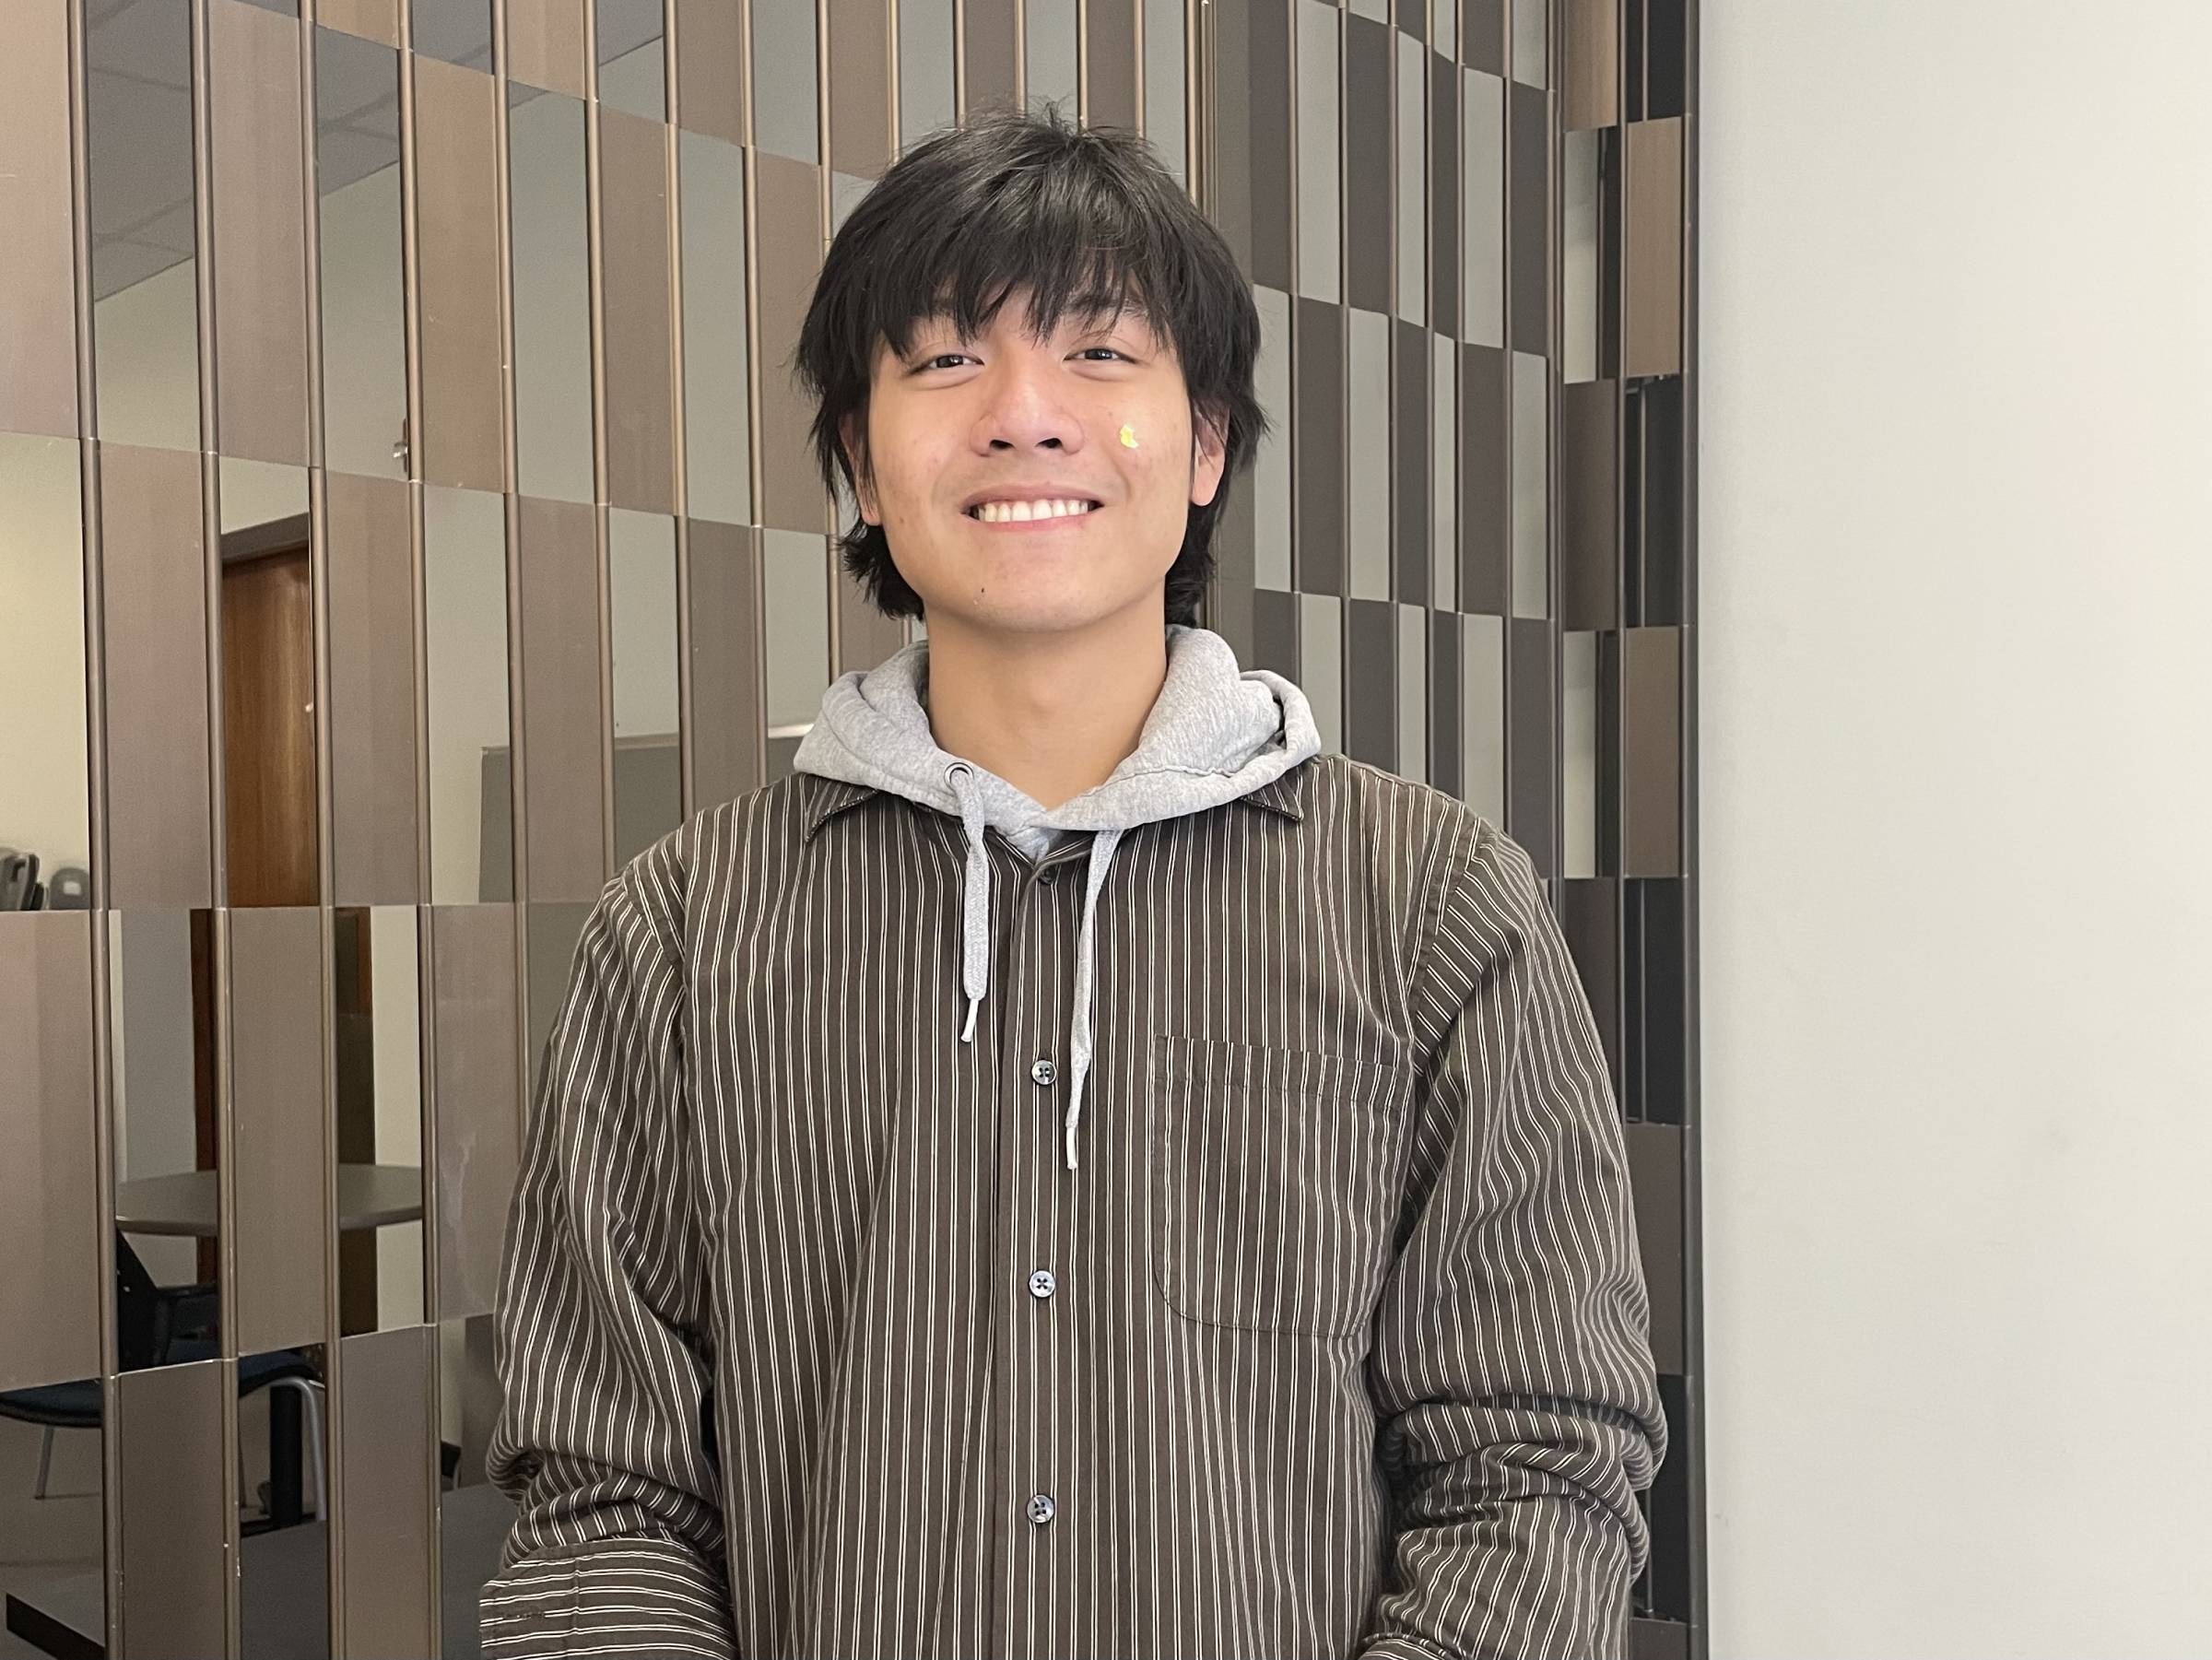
[(405, 517)]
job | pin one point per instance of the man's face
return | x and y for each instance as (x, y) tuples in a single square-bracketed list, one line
[(1097, 413)]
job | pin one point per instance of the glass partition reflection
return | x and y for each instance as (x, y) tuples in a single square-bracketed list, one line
[(144, 255), (161, 990), (375, 980), (357, 185), (45, 831), (631, 70), (268, 642), (284, 1484), (464, 576), (474, 1517), (55, 1435), (649, 786)]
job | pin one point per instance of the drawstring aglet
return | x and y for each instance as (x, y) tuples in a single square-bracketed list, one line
[(967, 1031)]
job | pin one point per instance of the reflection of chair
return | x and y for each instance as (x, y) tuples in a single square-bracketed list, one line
[(161, 1325)]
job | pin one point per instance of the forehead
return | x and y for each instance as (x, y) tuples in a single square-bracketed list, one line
[(1092, 308)]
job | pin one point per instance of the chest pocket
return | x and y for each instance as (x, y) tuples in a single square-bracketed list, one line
[(1274, 1180)]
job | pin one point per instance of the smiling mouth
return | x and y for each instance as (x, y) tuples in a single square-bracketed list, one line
[(1024, 513)]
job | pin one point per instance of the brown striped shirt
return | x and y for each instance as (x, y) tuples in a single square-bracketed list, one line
[(1334, 1343)]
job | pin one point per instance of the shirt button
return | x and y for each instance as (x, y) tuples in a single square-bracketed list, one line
[(1043, 1072), (1049, 875), (1040, 1508), (1042, 1284)]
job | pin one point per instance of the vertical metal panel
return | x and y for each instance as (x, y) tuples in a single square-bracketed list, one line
[(373, 799), (864, 635), (1584, 334), (1589, 496), (1531, 41), (1446, 760), (1532, 486), (170, 1431), (1271, 130), (1655, 1174), (361, 278), (1590, 920), (1412, 179), (1651, 721), (1271, 467), (785, 113), (456, 121), (1317, 373), (154, 588), (860, 70), (37, 321), (1410, 453), (632, 53), (1321, 664), (633, 205), (717, 417), (563, 810), (1051, 56), (1482, 35), (726, 729), (1531, 743), (375, 21), (1444, 472), (787, 253), (1482, 715), (51, 1305), (927, 92), (1529, 200), (709, 68), (988, 59), (1582, 755), (386, 1443), (551, 249), (1589, 89), (1412, 657), (1369, 185), (1320, 215), (546, 44), (277, 1141), (1482, 197), (641, 633), (1370, 695), (553, 929), (1110, 62), (477, 1098), (1163, 79), (1485, 496), (458, 31), (1275, 631), (1443, 194), (1651, 262), (467, 686), (260, 235), (1367, 458)]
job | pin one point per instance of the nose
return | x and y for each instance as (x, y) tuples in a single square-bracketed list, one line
[(1022, 409)]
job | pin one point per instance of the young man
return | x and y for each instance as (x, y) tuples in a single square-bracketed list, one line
[(1074, 1170)]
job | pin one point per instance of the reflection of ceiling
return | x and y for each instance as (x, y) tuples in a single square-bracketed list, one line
[(138, 75)]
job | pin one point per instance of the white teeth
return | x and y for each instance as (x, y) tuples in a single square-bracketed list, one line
[(994, 512)]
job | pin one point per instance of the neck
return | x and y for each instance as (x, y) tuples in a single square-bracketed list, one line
[(1051, 714)]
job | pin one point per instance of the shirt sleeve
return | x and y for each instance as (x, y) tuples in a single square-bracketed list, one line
[(1511, 1368), (603, 1337)]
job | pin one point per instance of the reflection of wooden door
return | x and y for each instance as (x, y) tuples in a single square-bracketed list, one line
[(269, 729)]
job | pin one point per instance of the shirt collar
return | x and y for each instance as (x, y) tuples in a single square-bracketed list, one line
[(827, 797)]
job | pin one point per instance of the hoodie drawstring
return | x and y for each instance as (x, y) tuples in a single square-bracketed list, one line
[(975, 936)]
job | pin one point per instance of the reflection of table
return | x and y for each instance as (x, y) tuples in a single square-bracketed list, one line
[(283, 1588), (370, 1196)]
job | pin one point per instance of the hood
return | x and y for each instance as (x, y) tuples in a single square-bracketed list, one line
[(1216, 731)]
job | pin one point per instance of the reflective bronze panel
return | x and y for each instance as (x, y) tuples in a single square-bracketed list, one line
[(154, 586), (457, 123), (552, 295), (478, 1098), (1320, 215), (1367, 450), (1529, 202), (43, 663), (1485, 496), (632, 49), (786, 116), (1532, 486), (718, 425), (1651, 262), (1370, 695), (1482, 715), (1270, 487), (284, 1446), (1482, 225), (925, 55), (1317, 373), (358, 207), (563, 721), (373, 797), (386, 1443), (278, 1146), (726, 731), (1411, 215), (459, 31), (553, 928), (788, 253), (545, 45), (37, 319), (1590, 89), (1110, 62), (860, 103), (988, 52), (474, 1517), (1652, 716), (260, 233), (464, 579), (1588, 566), (169, 1422), (377, 1029), (795, 571), (1410, 411), (1165, 123), (371, 19), (709, 68), (50, 1301), (1369, 183), (649, 783), (1532, 752), (634, 204), (1321, 664)]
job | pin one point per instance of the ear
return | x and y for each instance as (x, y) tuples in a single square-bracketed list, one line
[(853, 435), (1209, 455)]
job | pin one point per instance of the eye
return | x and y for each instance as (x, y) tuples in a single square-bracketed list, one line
[(930, 362), (1111, 352)]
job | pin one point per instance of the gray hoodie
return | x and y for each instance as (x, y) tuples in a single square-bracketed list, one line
[(1215, 733)]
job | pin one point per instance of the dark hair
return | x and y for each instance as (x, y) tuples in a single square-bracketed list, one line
[(1089, 220)]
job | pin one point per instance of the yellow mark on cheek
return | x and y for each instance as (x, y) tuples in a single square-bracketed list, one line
[(1128, 438)]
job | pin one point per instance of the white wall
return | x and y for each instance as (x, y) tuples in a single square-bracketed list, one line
[(1956, 502)]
